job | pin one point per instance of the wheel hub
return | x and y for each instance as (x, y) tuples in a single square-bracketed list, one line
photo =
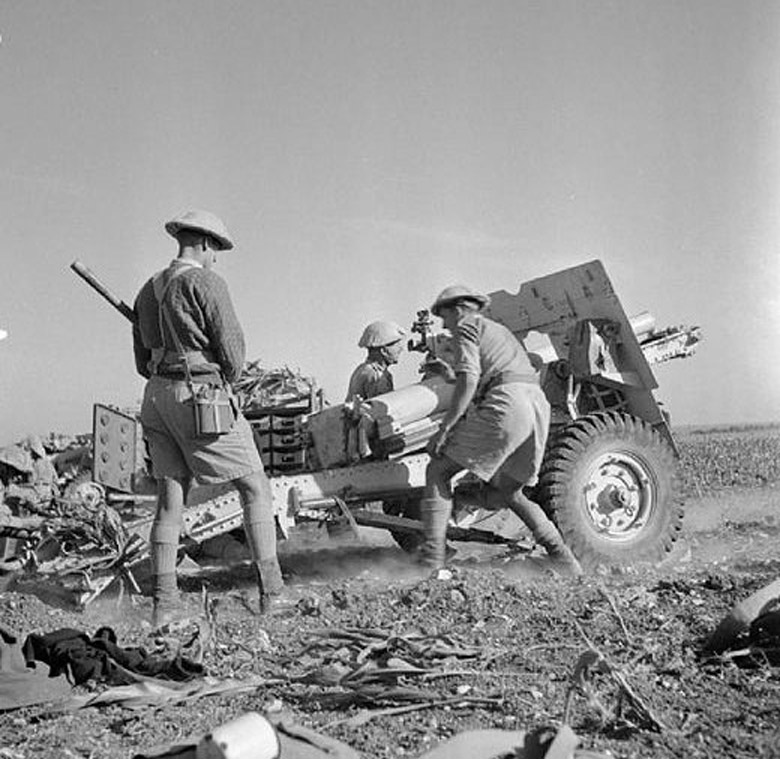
[(620, 495)]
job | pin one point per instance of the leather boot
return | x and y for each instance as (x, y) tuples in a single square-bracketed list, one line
[(544, 532), (270, 583), (560, 554), (435, 514), (260, 530)]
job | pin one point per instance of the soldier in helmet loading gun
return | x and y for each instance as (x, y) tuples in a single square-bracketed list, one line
[(496, 426)]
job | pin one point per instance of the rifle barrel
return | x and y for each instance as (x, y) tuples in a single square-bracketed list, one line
[(100, 288)]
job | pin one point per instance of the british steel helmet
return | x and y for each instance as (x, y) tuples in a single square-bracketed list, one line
[(201, 221), (379, 334), (454, 293)]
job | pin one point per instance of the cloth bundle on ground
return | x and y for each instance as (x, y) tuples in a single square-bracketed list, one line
[(99, 658)]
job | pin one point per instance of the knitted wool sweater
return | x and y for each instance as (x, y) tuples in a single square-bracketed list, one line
[(201, 312)]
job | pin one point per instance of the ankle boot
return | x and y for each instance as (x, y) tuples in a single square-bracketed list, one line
[(435, 514), (260, 529), (544, 532), (270, 583), (269, 577), (560, 554)]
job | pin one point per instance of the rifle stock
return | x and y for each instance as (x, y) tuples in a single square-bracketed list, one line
[(100, 288)]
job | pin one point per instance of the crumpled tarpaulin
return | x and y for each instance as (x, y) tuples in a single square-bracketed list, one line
[(72, 652), (542, 743), (480, 744), (21, 685), (299, 742), (750, 632)]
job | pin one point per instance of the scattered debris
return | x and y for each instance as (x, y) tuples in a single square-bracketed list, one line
[(742, 616), (77, 551), (749, 634), (100, 659), (629, 711), (255, 736), (146, 693), (258, 388)]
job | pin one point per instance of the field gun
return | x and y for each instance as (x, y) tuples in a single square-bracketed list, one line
[(607, 480)]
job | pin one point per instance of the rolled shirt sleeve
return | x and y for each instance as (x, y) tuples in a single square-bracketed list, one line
[(466, 344)]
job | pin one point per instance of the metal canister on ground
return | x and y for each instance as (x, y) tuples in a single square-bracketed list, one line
[(250, 736)]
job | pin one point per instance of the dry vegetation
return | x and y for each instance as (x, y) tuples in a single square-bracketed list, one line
[(712, 459), (497, 644)]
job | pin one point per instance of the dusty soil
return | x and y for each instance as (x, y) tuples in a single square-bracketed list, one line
[(498, 628)]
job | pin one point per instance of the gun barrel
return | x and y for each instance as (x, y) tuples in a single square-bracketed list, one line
[(100, 288)]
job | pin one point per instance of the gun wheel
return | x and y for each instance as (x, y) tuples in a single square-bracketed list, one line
[(608, 482)]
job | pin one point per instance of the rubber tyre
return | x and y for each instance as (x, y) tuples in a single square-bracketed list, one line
[(408, 541), (608, 481)]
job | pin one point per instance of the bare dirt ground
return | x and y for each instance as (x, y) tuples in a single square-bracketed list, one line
[(500, 638)]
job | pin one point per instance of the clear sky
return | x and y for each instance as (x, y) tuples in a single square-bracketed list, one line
[(367, 153)]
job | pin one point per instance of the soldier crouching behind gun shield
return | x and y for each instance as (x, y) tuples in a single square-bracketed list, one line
[(496, 426), (188, 343)]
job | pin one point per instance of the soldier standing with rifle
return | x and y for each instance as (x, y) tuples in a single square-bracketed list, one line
[(189, 345)]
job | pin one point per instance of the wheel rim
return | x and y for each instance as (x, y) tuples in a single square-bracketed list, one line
[(620, 495)]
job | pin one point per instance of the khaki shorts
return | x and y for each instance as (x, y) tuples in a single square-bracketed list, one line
[(505, 433), (169, 431)]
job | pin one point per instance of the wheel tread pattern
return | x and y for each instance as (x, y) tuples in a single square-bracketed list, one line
[(560, 482)]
